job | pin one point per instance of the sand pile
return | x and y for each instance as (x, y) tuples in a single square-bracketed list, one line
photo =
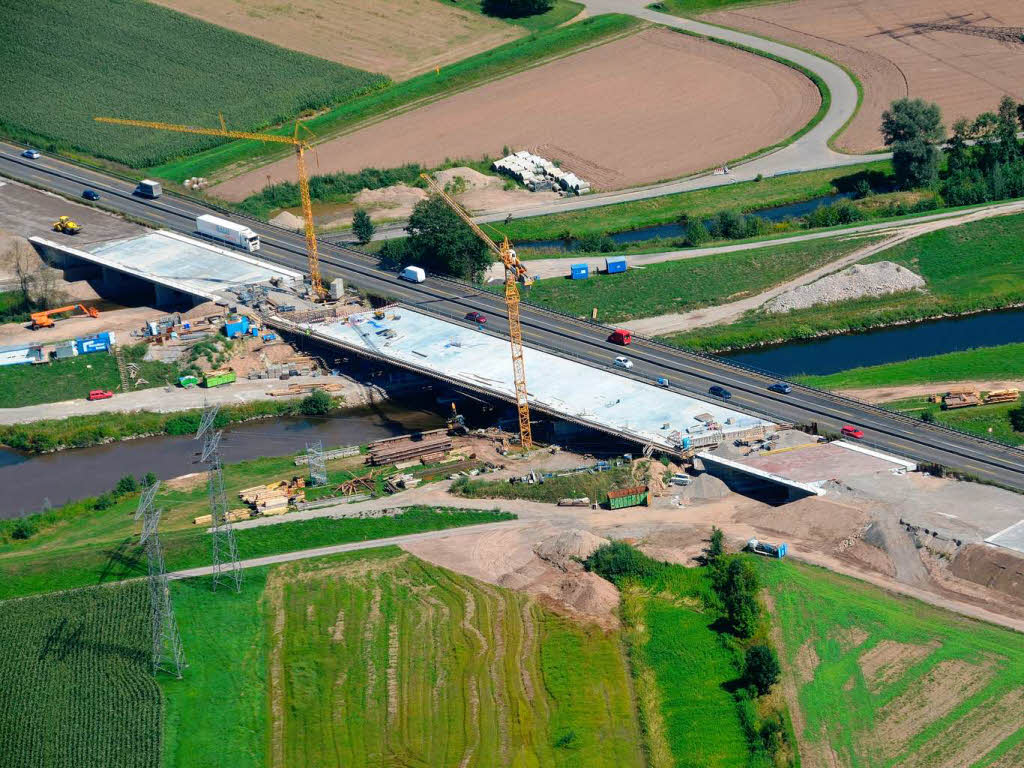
[(564, 548), (587, 594), (287, 220), (811, 519), (398, 200), (706, 486), (854, 282)]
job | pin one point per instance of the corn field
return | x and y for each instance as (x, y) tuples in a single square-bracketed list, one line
[(75, 683), (66, 61)]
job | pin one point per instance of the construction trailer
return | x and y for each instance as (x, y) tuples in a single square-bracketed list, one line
[(628, 497), (579, 271)]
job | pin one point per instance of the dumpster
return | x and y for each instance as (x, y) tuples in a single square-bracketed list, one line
[(627, 497)]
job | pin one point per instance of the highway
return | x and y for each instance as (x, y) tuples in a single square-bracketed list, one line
[(688, 372)]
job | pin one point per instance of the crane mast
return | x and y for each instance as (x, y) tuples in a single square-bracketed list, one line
[(515, 273), (300, 145)]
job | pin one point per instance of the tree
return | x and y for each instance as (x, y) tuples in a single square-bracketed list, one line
[(1017, 419), (126, 484), (515, 9), (761, 668), (737, 587), (149, 480), (362, 227), (697, 233), (393, 254), (913, 128), (1006, 130), (317, 403), (716, 546), (441, 242)]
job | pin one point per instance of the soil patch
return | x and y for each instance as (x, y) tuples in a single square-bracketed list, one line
[(930, 49), (806, 661), (926, 700), (401, 38), (614, 114), (888, 661), (997, 569)]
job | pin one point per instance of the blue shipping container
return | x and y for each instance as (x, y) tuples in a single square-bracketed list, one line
[(615, 264), (236, 326), (98, 343), (580, 271)]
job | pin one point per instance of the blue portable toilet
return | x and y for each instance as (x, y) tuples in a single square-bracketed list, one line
[(580, 271), (615, 264)]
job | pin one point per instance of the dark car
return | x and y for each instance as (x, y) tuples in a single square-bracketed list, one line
[(31, 154), (91, 194), (476, 317), (721, 392), (781, 387)]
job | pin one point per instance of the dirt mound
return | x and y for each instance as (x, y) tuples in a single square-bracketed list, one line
[(473, 178), (563, 549), (287, 220), (854, 282), (706, 486), (811, 519), (998, 569)]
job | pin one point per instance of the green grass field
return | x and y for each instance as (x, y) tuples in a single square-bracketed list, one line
[(991, 421), (71, 379), (1005, 361), (971, 267), (679, 286), (884, 680), (667, 209), (595, 486), (496, 63), (136, 59), (75, 676), (386, 660), (695, 7)]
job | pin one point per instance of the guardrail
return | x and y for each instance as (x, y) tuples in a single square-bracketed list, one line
[(937, 429)]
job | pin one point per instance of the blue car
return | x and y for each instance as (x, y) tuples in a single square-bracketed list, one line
[(721, 392), (31, 154), (91, 194), (781, 387)]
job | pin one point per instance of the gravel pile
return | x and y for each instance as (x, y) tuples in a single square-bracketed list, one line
[(562, 548), (851, 283)]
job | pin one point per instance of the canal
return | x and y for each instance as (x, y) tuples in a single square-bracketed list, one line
[(887, 345)]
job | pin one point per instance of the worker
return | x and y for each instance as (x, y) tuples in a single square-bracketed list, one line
[(508, 219)]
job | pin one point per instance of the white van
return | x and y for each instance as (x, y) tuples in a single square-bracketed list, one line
[(413, 274)]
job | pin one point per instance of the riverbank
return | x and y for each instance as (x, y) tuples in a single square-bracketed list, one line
[(973, 267)]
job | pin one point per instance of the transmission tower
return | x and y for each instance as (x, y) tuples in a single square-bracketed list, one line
[(225, 549), (168, 655), (317, 466)]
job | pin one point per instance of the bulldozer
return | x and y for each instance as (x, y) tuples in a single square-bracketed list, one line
[(67, 226), (45, 319)]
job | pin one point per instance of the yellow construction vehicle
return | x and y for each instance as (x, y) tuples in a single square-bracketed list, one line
[(515, 273), (300, 146), (67, 226)]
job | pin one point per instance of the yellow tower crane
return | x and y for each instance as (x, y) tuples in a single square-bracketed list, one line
[(515, 273), (301, 145)]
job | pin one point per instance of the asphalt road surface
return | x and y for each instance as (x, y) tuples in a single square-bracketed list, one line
[(569, 337)]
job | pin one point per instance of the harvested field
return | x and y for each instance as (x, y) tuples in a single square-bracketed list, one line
[(615, 114), (963, 58), (901, 683), (386, 660), (398, 37)]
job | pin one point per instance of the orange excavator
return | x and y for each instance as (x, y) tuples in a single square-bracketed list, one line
[(45, 319)]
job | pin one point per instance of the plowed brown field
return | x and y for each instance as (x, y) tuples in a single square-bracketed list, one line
[(400, 38), (896, 50), (655, 105)]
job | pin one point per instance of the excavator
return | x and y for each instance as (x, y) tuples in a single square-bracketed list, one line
[(66, 225), (45, 319)]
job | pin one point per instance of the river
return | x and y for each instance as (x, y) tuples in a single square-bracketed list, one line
[(29, 480), (631, 236), (887, 345)]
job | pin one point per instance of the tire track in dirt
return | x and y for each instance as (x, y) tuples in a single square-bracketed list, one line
[(472, 684), (274, 596), (496, 662)]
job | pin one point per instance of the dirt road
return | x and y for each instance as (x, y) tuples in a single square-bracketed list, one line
[(726, 313), (888, 394)]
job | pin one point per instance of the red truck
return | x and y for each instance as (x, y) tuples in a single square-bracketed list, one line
[(621, 336), (100, 394)]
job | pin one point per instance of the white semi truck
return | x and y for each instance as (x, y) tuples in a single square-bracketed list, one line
[(238, 235)]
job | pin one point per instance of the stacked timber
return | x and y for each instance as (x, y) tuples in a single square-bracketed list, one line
[(434, 444), (1002, 396), (961, 398), (273, 498), (233, 516)]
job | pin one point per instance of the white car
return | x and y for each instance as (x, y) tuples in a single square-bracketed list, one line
[(31, 154), (623, 362)]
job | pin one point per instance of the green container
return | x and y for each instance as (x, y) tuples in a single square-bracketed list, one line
[(188, 381), (627, 497), (216, 378)]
